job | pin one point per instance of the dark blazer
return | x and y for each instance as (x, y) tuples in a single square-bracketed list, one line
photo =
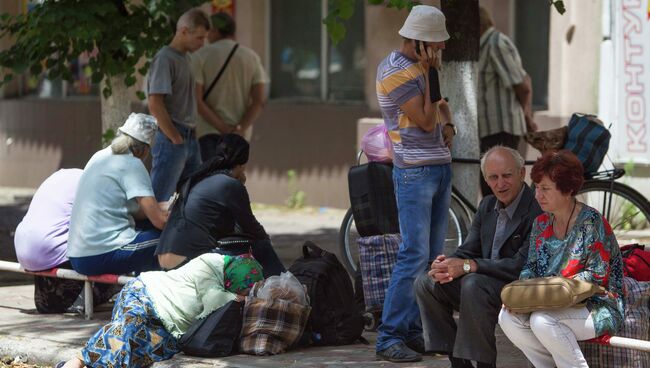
[(514, 251)]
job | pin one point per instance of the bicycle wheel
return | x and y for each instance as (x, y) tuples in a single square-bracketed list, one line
[(624, 208), (457, 228), (348, 246)]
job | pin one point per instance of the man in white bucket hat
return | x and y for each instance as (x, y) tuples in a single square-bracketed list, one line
[(113, 192), (421, 132)]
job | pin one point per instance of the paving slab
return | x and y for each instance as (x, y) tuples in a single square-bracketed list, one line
[(47, 339)]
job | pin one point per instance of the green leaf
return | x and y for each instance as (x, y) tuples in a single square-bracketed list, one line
[(345, 8), (141, 95), (35, 69), (559, 6), (107, 137), (336, 30), (129, 80)]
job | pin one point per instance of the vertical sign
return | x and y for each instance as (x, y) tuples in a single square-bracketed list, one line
[(632, 87)]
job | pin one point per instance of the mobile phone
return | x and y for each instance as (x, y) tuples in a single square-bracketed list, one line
[(417, 47), (434, 85)]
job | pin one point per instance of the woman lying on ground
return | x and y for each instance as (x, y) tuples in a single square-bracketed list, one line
[(571, 240), (213, 204), (155, 309), (114, 191)]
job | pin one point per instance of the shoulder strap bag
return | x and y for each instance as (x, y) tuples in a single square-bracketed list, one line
[(225, 64), (547, 293)]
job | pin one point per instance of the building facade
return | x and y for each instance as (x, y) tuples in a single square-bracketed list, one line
[(318, 92)]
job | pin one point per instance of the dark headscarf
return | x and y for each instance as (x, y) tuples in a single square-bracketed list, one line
[(231, 151)]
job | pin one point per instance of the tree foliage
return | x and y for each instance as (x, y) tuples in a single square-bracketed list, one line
[(342, 10), (116, 34)]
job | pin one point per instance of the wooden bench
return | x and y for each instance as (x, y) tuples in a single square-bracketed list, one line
[(63, 273)]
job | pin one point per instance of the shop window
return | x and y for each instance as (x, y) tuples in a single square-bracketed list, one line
[(300, 48)]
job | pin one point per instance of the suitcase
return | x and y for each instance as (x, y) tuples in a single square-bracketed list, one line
[(373, 199), (377, 255)]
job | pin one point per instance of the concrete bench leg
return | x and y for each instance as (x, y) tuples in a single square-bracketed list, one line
[(88, 299)]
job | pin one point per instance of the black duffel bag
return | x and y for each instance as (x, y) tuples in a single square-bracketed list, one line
[(216, 335), (372, 197)]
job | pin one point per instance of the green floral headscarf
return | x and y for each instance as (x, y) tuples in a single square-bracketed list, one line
[(241, 272)]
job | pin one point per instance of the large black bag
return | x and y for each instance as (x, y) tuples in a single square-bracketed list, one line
[(216, 335), (589, 140), (335, 318), (372, 197)]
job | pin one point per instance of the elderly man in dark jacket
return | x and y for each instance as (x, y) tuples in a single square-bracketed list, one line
[(470, 280)]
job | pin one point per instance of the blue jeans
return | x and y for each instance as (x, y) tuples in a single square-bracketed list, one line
[(171, 162), (423, 196)]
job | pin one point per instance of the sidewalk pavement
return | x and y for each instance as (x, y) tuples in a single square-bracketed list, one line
[(48, 339)]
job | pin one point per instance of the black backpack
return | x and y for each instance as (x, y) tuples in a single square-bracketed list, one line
[(216, 335), (334, 318)]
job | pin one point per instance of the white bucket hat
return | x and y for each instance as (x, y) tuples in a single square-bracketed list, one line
[(425, 23), (140, 126)]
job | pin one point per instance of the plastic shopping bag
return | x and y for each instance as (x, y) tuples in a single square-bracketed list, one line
[(377, 145)]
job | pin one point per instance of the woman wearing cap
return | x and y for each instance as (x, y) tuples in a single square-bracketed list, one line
[(213, 204), (149, 316), (114, 191)]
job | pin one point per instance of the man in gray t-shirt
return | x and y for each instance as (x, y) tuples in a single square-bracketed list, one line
[(172, 101)]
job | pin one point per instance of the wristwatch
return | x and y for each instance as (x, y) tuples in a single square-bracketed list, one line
[(467, 266), (453, 127)]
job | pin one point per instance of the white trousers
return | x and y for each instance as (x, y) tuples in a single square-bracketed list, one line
[(550, 338)]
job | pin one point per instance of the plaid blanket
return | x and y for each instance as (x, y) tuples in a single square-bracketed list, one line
[(271, 326), (377, 255), (635, 326)]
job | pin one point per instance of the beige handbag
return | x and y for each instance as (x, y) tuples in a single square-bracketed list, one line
[(547, 293)]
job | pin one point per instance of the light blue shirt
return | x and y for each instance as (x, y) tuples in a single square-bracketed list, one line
[(102, 214)]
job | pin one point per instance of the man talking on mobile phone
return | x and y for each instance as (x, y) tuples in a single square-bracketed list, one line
[(420, 129)]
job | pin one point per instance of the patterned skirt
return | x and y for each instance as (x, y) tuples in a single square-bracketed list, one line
[(135, 337)]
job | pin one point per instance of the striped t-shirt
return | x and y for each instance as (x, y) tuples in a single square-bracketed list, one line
[(399, 79), (499, 69)]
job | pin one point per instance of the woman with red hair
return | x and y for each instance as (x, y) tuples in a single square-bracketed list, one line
[(572, 240)]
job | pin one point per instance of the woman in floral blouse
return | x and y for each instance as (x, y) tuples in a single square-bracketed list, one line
[(573, 240)]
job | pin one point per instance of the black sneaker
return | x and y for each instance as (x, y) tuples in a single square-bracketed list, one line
[(417, 345), (398, 353), (485, 365), (460, 363)]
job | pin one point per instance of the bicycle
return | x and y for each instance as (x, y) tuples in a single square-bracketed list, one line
[(624, 208)]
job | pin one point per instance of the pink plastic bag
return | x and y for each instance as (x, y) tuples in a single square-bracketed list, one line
[(377, 145)]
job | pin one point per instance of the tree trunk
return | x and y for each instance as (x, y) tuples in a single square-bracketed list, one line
[(116, 108), (458, 81)]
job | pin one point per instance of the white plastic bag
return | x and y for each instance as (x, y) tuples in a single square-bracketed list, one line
[(286, 287)]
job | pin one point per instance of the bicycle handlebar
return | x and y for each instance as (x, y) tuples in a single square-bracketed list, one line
[(462, 160)]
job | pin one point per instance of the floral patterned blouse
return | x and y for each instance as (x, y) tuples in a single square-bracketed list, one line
[(589, 252)]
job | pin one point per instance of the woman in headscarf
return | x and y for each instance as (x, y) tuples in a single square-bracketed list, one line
[(213, 204), (155, 309)]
